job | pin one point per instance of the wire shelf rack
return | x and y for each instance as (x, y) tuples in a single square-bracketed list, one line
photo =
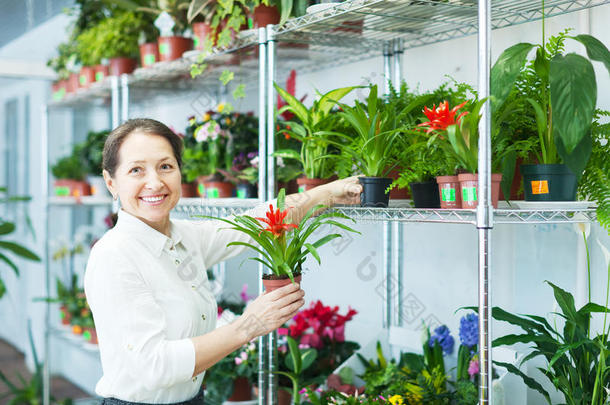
[(193, 207), (98, 93)]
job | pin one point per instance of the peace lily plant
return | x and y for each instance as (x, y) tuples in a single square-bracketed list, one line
[(283, 245)]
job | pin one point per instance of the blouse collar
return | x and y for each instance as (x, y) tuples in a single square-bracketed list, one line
[(153, 239)]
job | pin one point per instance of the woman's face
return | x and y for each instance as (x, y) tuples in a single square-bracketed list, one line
[(147, 179)]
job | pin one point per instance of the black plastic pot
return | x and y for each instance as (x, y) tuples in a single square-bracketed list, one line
[(374, 191), (247, 190), (548, 183), (425, 194)]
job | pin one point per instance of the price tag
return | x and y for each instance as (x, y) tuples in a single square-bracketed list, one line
[(212, 193), (469, 194), (540, 187), (448, 194)]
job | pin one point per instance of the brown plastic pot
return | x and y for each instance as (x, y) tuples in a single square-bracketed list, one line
[(101, 72), (271, 284), (214, 189), (242, 390), (469, 185), (72, 83), (90, 335), (86, 77), (398, 193), (449, 192), (284, 397), (203, 32), (119, 66), (306, 184), (189, 190), (265, 15), (149, 54), (291, 187), (59, 90), (172, 48)]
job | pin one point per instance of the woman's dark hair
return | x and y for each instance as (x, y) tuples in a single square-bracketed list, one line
[(110, 159)]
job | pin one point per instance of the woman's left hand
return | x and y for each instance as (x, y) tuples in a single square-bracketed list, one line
[(344, 191)]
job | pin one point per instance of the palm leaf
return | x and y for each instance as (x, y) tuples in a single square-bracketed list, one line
[(19, 250)]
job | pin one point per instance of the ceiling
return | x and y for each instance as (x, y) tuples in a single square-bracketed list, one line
[(19, 16)]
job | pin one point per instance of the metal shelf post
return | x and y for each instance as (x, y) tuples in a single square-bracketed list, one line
[(124, 98), (44, 176)]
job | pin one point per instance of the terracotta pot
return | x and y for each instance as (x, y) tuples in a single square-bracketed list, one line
[(149, 54), (71, 188), (90, 335), (189, 190), (265, 15), (202, 32), (59, 90), (242, 390), (469, 184), (449, 191), (119, 66), (207, 188), (72, 83), (271, 285), (80, 188), (284, 397), (65, 316), (86, 76), (398, 193), (101, 72), (305, 183), (172, 48)]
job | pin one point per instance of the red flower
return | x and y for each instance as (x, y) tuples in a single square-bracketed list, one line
[(441, 117), (275, 221)]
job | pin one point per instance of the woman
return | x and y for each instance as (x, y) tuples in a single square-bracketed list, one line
[(146, 282)]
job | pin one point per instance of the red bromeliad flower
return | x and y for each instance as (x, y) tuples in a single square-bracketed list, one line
[(275, 221), (441, 117)]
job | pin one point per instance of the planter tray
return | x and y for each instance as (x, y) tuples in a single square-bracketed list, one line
[(553, 205)]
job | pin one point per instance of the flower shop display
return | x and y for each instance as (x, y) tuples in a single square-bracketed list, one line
[(560, 91), (283, 245), (313, 127), (9, 247), (70, 173), (91, 154)]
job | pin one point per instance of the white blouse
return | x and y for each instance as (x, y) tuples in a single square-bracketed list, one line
[(149, 294)]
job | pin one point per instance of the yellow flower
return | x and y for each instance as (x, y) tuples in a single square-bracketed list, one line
[(206, 117), (228, 121), (220, 107), (396, 400)]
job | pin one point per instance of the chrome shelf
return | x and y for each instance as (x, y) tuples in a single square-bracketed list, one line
[(65, 333), (98, 93), (221, 207), (466, 216)]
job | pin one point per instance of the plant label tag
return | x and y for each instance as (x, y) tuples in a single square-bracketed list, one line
[(149, 58), (62, 191), (540, 187), (241, 193), (201, 189), (212, 193), (448, 194), (164, 49), (469, 194), (99, 76), (165, 23), (301, 189)]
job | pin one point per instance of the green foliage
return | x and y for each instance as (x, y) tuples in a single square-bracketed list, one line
[(576, 362), (297, 362), (69, 167), (92, 151), (65, 59), (115, 36), (595, 182), (314, 129), (284, 254)]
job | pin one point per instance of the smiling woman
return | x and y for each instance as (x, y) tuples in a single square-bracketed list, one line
[(146, 282)]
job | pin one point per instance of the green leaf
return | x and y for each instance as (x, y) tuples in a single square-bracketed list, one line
[(573, 98), (330, 99), (530, 382), (19, 250), (505, 72), (6, 228), (2, 288), (239, 92), (296, 107), (295, 356), (578, 159), (287, 154), (593, 308), (596, 50), (563, 349), (281, 199), (307, 358), (226, 76), (565, 300), (313, 251), (10, 263), (509, 340)]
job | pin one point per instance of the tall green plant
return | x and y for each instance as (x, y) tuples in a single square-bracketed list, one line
[(297, 362), (8, 247), (314, 129), (564, 96), (576, 363)]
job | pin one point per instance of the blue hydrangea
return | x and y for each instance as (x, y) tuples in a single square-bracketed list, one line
[(469, 330), (442, 335)]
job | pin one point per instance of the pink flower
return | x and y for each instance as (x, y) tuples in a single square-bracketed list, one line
[(473, 367), (238, 360), (244, 293), (303, 346), (244, 356), (282, 331)]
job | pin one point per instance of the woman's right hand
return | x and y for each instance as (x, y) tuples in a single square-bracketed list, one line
[(271, 310)]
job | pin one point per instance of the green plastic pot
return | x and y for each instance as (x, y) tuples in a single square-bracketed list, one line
[(548, 183)]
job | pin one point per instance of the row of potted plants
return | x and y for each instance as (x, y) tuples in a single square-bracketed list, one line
[(108, 38), (80, 173)]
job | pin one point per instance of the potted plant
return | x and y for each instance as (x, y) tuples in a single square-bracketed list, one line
[(69, 176), (314, 130), (91, 154), (116, 39), (284, 245), (372, 150), (244, 174), (561, 92)]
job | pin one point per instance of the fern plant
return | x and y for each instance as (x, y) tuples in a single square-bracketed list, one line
[(595, 181)]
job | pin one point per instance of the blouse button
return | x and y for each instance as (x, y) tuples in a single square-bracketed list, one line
[(177, 261), (194, 287), (129, 347), (203, 317), (194, 379)]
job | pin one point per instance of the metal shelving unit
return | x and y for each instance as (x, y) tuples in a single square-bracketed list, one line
[(346, 32)]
